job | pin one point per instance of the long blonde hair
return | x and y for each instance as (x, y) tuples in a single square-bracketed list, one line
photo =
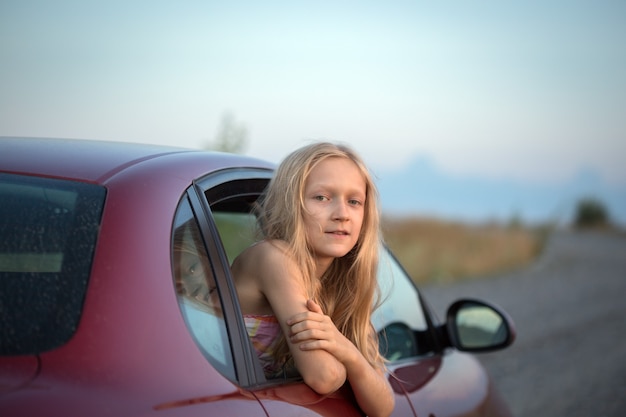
[(348, 291)]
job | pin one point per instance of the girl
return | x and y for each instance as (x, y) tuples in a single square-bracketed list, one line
[(308, 289)]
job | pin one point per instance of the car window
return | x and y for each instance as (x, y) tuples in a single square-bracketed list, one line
[(237, 231), (198, 297), (48, 231), (232, 205), (400, 320)]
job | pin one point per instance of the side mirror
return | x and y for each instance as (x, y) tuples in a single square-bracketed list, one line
[(475, 326)]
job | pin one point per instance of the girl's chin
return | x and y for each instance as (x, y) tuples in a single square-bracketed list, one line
[(331, 254)]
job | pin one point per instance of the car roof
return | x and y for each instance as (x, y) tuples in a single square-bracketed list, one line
[(97, 161)]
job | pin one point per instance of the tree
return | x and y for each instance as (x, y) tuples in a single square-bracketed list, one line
[(231, 137), (591, 212)]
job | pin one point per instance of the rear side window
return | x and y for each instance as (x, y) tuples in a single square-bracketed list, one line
[(48, 231), (198, 295)]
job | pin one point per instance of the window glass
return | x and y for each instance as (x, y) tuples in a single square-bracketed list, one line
[(237, 231), (48, 231), (400, 319), (198, 296)]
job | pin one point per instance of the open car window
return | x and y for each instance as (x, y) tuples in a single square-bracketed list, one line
[(237, 230), (236, 223)]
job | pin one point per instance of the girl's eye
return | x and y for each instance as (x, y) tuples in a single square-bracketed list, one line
[(195, 269), (354, 202), (320, 198)]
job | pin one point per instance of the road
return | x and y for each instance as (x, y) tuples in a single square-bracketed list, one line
[(569, 358)]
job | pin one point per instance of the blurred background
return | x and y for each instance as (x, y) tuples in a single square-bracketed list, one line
[(497, 117)]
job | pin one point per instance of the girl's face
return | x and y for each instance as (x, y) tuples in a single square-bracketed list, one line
[(334, 202), (195, 280)]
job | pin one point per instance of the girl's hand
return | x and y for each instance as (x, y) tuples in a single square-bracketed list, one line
[(314, 330)]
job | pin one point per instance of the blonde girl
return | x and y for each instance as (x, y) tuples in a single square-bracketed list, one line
[(307, 290)]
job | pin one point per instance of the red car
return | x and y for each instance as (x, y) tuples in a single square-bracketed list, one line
[(116, 297)]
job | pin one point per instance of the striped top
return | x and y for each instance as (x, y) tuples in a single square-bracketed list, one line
[(264, 331)]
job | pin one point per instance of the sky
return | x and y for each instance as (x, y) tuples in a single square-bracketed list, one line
[(531, 91)]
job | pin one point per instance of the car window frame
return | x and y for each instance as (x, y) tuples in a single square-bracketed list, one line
[(204, 193)]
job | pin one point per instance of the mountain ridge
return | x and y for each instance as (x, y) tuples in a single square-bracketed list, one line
[(423, 189)]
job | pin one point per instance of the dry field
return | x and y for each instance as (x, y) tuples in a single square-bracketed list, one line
[(434, 251)]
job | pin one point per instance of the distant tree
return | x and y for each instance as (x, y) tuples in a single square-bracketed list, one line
[(231, 136), (591, 212), (516, 222)]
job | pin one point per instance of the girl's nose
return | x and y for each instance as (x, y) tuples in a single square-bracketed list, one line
[(341, 212)]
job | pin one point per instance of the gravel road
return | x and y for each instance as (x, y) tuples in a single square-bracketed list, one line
[(569, 358)]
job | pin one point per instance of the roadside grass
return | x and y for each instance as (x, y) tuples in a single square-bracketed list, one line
[(435, 251)]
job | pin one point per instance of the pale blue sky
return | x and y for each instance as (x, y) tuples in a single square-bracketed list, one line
[(531, 91)]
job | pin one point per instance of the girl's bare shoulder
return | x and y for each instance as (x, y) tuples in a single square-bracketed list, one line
[(265, 254)]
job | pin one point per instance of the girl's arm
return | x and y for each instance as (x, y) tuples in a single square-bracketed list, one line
[(282, 284), (313, 331)]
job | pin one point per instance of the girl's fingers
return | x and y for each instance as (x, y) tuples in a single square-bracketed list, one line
[(304, 335), (307, 326), (314, 307), (305, 316), (313, 339), (314, 344), (315, 313)]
